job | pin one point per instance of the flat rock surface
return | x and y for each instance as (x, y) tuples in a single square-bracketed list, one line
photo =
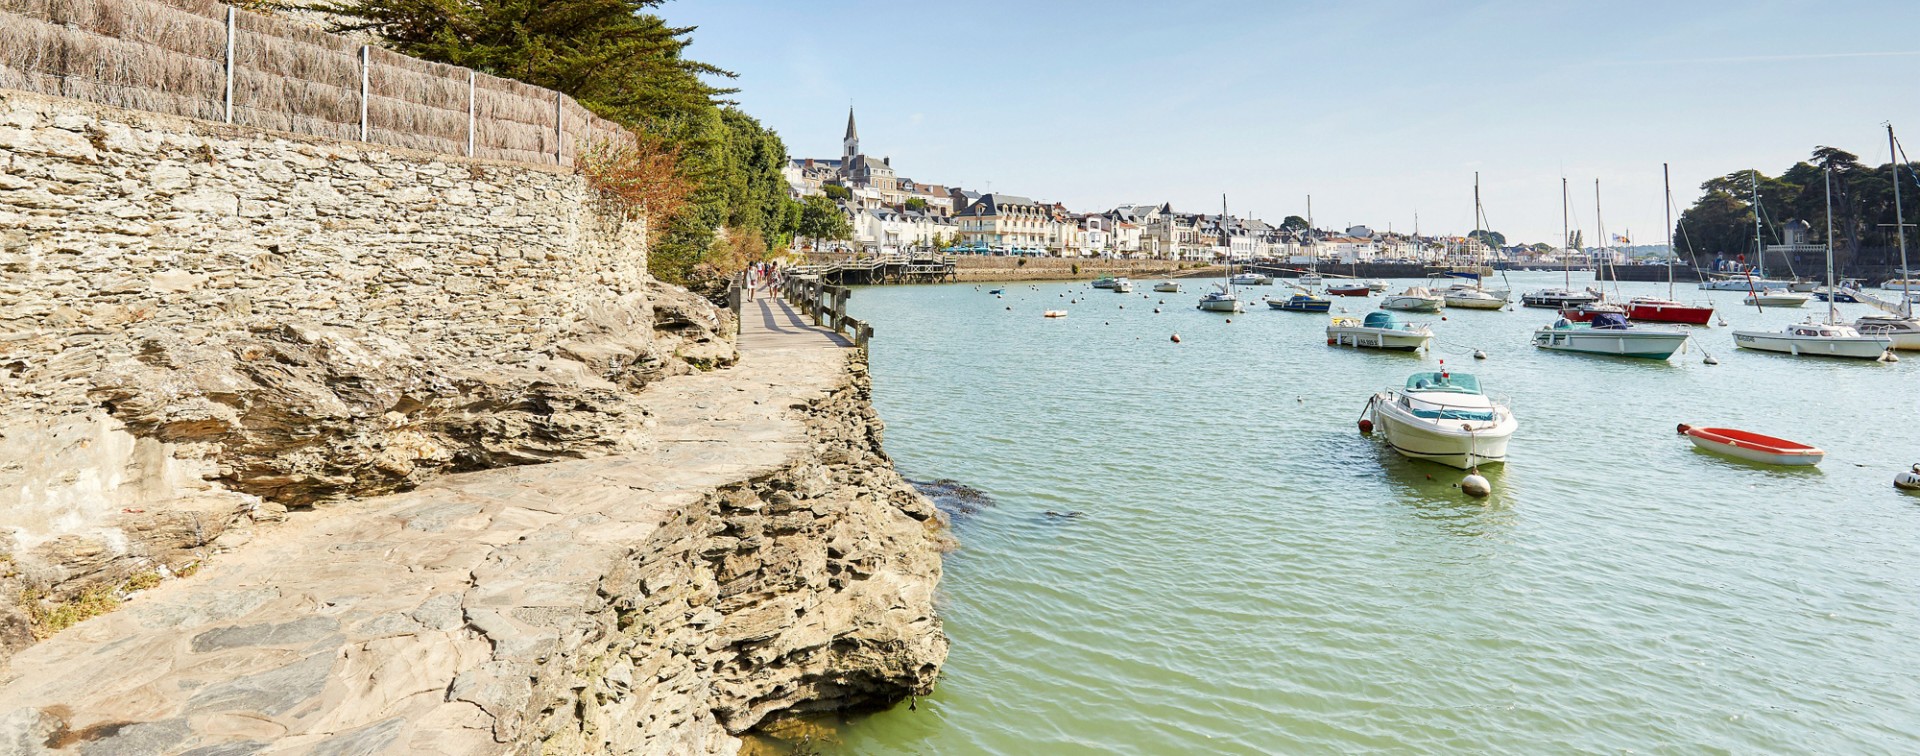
[(378, 625)]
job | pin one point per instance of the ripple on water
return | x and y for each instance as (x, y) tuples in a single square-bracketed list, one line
[(1249, 574)]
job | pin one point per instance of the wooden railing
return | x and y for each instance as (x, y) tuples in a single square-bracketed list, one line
[(827, 306)]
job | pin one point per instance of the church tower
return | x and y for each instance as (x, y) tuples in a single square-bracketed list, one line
[(850, 146)]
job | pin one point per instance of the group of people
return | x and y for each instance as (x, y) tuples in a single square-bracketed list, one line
[(763, 276)]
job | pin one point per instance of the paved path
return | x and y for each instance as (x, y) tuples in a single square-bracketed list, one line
[(402, 624)]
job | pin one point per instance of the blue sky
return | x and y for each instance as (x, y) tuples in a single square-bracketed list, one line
[(1380, 110)]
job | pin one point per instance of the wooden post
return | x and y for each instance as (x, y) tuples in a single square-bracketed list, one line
[(470, 112), (229, 95), (366, 55)]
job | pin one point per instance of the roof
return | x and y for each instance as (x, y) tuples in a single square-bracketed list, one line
[(851, 132)]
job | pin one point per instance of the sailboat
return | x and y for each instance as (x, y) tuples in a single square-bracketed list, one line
[(1310, 278), (1222, 298), (1761, 293), (1564, 296), (1668, 310), (1897, 323), (1474, 296), (1814, 338)]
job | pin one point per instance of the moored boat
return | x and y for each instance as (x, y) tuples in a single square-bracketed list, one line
[(1104, 282), (1169, 287), (1444, 417), (1379, 330), (1376, 285), (1583, 313), (1753, 447), (1557, 299), (1744, 282), (1657, 310), (1611, 334), (1221, 299), (1302, 302), (1251, 279), (1122, 286), (1777, 298), (1349, 289), (1309, 279), (1816, 339), (1902, 331), (1414, 299), (1472, 298)]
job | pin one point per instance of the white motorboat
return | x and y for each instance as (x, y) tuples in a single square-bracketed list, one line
[(1251, 279), (1376, 285), (1558, 299), (1472, 298), (1221, 299), (1414, 299), (1444, 418), (1901, 284), (1122, 286), (1379, 330), (1777, 298), (1104, 282), (1169, 287), (1308, 279), (1609, 333)]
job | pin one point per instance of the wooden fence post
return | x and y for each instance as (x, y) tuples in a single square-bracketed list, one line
[(470, 112), (365, 56), (229, 95)]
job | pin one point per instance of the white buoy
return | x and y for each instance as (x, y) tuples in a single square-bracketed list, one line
[(1479, 354), (1890, 356), (1908, 480), (1710, 360), (1475, 485)]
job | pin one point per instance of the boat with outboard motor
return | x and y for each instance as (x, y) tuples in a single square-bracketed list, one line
[(1444, 417), (1609, 333), (1379, 330)]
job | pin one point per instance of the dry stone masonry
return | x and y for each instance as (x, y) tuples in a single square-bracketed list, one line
[(549, 512)]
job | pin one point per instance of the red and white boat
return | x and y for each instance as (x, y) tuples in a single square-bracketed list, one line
[(1753, 447), (1657, 310), (1349, 289)]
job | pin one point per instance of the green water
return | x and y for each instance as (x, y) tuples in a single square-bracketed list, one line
[(1251, 575)]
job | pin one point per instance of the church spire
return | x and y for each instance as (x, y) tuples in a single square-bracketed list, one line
[(850, 146)]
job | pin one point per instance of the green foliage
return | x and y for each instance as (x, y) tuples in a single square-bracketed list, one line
[(1493, 239), (1293, 223), (1721, 221), (916, 203), (837, 192), (821, 219)]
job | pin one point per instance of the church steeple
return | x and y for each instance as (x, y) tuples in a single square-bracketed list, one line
[(850, 146)]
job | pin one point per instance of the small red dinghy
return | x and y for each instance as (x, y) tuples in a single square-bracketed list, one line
[(1753, 447), (1348, 289)]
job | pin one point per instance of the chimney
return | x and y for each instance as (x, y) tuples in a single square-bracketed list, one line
[(887, 161)]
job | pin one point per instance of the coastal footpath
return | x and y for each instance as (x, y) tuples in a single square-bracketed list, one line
[(398, 452), (981, 269)]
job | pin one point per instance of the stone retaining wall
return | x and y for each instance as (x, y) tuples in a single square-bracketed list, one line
[(200, 323)]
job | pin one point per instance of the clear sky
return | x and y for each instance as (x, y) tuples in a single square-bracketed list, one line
[(1380, 110)]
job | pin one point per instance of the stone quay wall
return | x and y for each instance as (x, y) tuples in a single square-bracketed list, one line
[(202, 325)]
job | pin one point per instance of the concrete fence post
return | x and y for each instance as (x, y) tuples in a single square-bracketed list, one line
[(470, 112), (366, 55), (229, 94)]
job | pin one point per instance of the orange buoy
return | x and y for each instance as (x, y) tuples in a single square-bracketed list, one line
[(1366, 426)]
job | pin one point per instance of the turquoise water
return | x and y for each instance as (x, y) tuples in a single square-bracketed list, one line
[(1248, 574)]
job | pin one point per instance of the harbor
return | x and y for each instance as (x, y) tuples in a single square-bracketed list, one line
[(1191, 544)]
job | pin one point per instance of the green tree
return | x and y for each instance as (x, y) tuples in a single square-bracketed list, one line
[(917, 204), (836, 192), (820, 219), (1492, 239), (1293, 223)]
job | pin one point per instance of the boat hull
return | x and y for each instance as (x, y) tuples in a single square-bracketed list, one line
[(1753, 447), (1168, 288), (1903, 333), (1444, 441), (1411, 304), (1556, 301), (1778, 300), (1652, 345), (1231, 305), (1476, 303), (1392, 339), (1349, 291), (1743, 284), (1670, 313), (1859, 348), (1292, 306)]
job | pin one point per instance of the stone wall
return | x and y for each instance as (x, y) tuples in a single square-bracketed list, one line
[(201, 322)]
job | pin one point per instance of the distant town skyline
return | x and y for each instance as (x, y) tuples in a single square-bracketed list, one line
[(1380, 111)]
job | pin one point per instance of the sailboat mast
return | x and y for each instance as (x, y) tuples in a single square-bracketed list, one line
[(1566, 239), (1476, 221), (1900, 226), (1223, 228), (1759, 246), (1830, 291), (1600, 227), (1666, 182)]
